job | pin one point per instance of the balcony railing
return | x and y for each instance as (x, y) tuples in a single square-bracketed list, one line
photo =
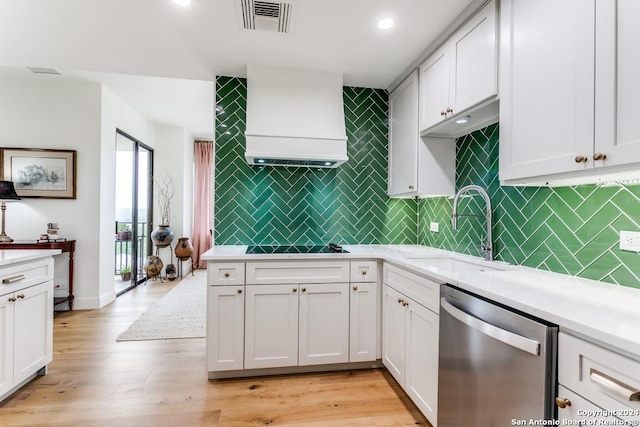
[(124, 246)]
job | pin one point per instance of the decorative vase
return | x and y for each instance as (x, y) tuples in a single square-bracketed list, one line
[(153, 266), (171, 271), (184, 249), (162, 236)]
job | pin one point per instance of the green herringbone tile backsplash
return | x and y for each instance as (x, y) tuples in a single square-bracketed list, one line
[(278, 205), (572, 230)]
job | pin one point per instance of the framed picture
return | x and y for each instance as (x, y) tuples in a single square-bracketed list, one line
[(42, 173)]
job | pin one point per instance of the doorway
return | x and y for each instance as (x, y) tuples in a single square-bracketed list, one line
[(134, 195)]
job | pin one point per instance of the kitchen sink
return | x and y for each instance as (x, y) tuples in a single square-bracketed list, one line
[(455, 265)]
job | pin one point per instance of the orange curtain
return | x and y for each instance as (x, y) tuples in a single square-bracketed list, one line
[(202, 201)]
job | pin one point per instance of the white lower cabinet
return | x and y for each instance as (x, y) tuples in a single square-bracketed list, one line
[(324, 324), (410, 349), (363, 322), (595, 378), (271, 328), (26, 332), (290, 325), (225, 328)]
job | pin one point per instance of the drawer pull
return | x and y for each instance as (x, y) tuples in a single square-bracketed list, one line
[(13, 279), (614, 386), (226, 275), (21, 296), (355, 288), (12, 299)]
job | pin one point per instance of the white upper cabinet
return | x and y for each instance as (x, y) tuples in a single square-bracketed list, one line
[(568, 91), (403, 137), (460, 76), (417, 166)]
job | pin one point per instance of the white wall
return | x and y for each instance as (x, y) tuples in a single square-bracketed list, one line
[(174, 155), (49, 112)]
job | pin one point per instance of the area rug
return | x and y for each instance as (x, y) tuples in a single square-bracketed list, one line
[(181, 313)]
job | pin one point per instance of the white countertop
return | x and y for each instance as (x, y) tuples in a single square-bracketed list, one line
[(12, 256), (599, 311)]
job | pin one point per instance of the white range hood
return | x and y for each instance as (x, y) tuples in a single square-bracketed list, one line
[(294, 118)]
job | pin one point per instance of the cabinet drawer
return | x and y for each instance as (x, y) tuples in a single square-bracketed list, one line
[(608, 379), (422, 290), (364, 271), (30, 273), (271, 273), (225, 274), (579, 409)]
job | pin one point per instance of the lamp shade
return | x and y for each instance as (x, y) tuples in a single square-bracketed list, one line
[(8, 191)]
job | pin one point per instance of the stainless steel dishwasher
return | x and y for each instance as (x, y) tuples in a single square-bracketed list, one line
[(496, 365)]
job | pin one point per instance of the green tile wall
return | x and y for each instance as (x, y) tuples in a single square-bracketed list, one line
[(267, 205), (572, 230)]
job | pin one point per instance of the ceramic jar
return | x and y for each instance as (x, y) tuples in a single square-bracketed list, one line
[(161, 236), (153, 266), (184, 249)]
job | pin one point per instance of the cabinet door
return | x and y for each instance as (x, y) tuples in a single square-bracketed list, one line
[(578, 408), (393, 333), (363, 322), (421, 381), (403, 137), (617, 85), (435, 75), (225, 328), (271, 326), (324, 324), (474, 74), (546, 87), (6, 343), (33, 338)]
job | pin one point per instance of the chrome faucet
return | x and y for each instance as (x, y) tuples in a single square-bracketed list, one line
[(485, 247)]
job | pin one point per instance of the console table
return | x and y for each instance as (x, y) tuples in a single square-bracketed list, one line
[(67, 246)]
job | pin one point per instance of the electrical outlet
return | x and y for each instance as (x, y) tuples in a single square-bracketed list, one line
[(435, 227), (630, 241)]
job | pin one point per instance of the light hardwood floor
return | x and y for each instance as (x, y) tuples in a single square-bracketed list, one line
[(96, 381)]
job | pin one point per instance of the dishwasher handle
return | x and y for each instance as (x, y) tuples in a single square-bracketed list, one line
[(514, 340)]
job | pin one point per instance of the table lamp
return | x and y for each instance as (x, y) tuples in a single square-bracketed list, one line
[(7, 192)]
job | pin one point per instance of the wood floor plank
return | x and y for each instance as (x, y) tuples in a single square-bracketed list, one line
[(97, 382)]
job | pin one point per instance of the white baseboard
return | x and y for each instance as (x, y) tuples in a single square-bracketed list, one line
[(94, 303)]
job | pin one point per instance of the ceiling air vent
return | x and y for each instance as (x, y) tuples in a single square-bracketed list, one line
[(266, 15)]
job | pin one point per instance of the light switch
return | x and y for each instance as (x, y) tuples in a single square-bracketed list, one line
[(435, 227), (630, 241)]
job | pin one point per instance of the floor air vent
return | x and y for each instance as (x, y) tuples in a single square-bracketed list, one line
[(266, 15)]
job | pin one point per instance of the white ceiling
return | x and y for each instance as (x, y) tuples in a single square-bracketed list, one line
[(116, 42)]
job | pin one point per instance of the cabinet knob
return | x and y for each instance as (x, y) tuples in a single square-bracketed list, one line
[(599, 156), (581, 159), (449, 110), (562, 402), (21, 296), (295, 289), (12, 299), (239, 291), (400, 300), (411, 187), (304, 289), (355, 288), (364, 272), (227, 274), (443, 113), (404, 303)]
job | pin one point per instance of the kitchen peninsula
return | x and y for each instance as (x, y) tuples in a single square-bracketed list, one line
[(26, 316)]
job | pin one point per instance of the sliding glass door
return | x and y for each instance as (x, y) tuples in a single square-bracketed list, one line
[(134, 165)]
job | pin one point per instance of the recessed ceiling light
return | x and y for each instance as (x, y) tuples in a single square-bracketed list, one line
[(183, 3), (260, 160), (385, 24), (463, 120), (328, 163)]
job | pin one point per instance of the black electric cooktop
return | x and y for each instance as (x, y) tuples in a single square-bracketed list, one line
[(318, 249)]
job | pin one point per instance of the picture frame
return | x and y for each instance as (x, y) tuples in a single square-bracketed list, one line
[(41, 173)]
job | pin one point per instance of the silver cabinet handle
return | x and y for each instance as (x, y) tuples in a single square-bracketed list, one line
[(13, 279), (514, 340), (614, 386)]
